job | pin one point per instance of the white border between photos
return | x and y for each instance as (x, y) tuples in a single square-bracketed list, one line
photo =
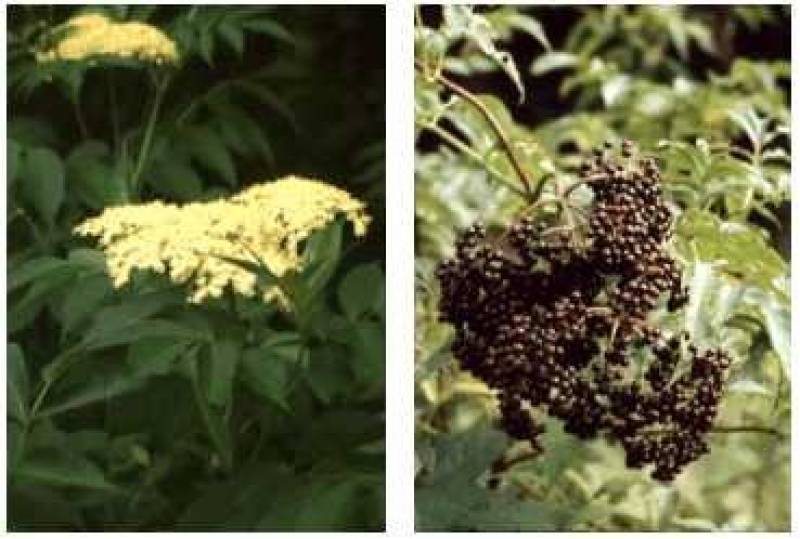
[(400, 269), (3, 268), (795, 266)]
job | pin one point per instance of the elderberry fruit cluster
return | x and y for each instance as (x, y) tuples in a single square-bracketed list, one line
[(554, 318)]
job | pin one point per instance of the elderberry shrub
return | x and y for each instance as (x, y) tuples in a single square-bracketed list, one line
[(549, 317)]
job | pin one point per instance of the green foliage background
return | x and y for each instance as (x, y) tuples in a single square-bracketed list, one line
[(133, 410), (673, 80)]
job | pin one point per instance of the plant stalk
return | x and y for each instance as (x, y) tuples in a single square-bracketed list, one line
[(144, 151), (112, 103), (493, 123)]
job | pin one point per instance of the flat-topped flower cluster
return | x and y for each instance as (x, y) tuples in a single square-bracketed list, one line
[(264, 223), (94, 35)]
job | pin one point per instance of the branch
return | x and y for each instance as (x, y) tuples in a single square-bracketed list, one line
[(82, 127), (753, 429), (112, 104), (503, 464), (472, 154), (541, 203), (725, 429), (493, 122)]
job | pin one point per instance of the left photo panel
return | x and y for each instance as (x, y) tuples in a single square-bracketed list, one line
[(195, 268)]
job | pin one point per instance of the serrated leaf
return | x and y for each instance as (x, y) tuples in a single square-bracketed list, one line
[(88, 385), (33, 132), (740, 250), (551, 61), (235, 504), (209, 150), (465, 455), (369, 359), (267, 375), (117, 319), (225, 356), (462, 21), (270, 98), (144, 329), (362, 291), (777, 321), (40, 293), (154, 356), (206, 46), (14, 159), (86, 296), (529, 25), (215, 420), (18, 383), (316, 503), (42, 182), (448, 497), (352, 429), (241, 131), (321, 258), (91, 260), (329, 374), (175, 179), (342, 499), (33, 270), (233, 36), (90, 175), (59, 470), (271, 29), (750, 387)]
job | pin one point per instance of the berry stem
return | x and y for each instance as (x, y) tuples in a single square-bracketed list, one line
[(754, 429), (503, 464)]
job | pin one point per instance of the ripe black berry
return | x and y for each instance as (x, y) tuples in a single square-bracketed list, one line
[(549, 317)]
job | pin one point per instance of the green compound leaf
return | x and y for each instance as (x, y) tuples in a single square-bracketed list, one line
[(313, 502), (62, 470), (450, 497), (463, 22), (268, 369), (740, 250)]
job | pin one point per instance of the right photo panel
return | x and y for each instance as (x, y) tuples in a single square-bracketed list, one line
[(602, 268)]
